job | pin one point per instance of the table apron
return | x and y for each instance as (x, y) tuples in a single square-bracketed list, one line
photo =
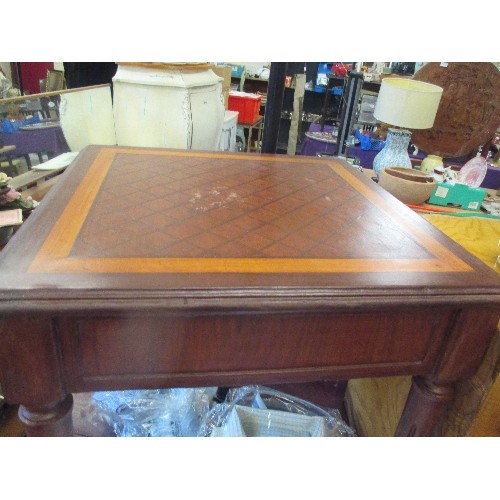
[(143, 351)]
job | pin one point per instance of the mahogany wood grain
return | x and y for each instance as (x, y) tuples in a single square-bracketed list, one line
[(54, 420), (424, 407), (147, 268)]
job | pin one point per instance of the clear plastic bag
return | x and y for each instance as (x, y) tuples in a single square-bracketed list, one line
[(154, 413), (191, 412), (258, 411)]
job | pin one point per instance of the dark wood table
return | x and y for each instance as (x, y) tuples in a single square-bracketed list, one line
[(148, 268)]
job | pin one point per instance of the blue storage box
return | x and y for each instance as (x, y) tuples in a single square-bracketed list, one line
[(321, 89), (321, 78), (11, 126), (237, 70)]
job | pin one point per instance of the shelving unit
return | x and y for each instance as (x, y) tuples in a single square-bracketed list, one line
[(313, 107), (252, 132), (313, 103)]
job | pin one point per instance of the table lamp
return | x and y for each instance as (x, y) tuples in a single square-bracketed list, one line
[(407, 104)]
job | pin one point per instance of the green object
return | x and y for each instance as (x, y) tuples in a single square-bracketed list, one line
[(457, 196)]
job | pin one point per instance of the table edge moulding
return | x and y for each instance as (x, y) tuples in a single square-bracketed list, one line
[(244, 268)]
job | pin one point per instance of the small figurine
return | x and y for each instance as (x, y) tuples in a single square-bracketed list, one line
[(10, 198)]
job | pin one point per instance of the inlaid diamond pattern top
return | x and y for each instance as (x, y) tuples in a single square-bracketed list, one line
[(167, 206)]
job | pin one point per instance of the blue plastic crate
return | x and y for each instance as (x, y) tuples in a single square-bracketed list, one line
[(322, 89), (237, 70), (9, 126)]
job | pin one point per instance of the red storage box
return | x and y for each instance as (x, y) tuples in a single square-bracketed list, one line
[(247, 105)]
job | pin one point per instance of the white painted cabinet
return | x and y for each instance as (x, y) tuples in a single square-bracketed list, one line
[(168, 106)]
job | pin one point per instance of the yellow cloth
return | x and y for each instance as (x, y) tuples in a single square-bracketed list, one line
[(477, 235)]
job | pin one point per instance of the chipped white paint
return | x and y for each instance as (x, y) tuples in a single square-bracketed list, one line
[(87, 117), (168, 108)]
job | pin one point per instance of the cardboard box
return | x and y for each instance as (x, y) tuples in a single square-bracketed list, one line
[(224, 72), (457, 195)]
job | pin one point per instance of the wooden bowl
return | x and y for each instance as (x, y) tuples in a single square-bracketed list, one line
[(407, 185)]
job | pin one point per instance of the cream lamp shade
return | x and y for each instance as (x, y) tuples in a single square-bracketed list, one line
[(407, 103), (403, 104)]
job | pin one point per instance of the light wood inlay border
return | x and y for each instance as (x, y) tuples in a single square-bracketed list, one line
[(54, 253)]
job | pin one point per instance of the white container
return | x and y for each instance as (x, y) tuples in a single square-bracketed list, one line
[(168, 106), (228, 136)]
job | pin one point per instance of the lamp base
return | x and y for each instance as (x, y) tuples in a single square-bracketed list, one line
[(395, 151)]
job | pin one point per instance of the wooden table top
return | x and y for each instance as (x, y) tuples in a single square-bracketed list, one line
[(151, 227)]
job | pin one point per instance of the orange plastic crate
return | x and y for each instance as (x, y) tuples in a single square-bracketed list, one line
[(247, 105)]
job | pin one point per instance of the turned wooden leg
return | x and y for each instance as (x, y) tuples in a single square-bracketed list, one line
[(425, 407), (54, 420)]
